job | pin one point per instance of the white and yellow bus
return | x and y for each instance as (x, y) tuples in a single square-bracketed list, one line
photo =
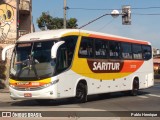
[(76, 63)]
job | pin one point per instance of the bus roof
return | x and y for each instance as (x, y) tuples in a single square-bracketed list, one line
[(45, 35), (53, 34)]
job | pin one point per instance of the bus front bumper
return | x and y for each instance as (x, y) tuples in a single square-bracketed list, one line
[(45, 93)]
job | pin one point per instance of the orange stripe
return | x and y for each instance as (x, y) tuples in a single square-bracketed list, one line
[(31, 84), (118, 39), (131, 65)]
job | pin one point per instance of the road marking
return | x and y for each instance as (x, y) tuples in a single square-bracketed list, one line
[(143, 96), (153, 95)]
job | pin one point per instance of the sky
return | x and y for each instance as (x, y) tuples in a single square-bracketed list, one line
[(143, 27)]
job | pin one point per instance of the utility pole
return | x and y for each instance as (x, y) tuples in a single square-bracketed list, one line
[(65, 9)]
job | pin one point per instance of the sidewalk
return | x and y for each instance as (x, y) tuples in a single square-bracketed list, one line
[(6, 90)]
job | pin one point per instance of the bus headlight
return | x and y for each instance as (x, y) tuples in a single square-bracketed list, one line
[(51, 83), (12, 86)]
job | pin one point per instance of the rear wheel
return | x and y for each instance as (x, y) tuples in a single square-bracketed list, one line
[(81, 93), (135, 88)]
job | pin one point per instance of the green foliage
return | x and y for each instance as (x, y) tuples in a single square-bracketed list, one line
[(72, 23), (47, 21)]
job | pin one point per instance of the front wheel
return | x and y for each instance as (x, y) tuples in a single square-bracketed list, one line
[(81, 93)]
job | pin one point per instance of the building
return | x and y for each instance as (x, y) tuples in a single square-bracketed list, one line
[(15, 21), (156, 60), (25, 17)]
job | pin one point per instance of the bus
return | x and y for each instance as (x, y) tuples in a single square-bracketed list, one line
[(74, 63)]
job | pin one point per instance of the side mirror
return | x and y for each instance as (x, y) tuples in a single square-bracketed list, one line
[(5, 50), (55, 48)]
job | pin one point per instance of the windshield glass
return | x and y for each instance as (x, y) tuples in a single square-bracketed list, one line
[(32, 61)]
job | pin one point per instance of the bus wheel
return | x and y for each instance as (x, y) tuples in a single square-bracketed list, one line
[(135, 88), (81, 93)]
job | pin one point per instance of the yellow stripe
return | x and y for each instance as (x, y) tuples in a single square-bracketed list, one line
[(76, 33), (71, 33), (80, 66), (47, 80)]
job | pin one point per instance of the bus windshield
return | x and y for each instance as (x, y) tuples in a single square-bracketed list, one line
[(32, 61)]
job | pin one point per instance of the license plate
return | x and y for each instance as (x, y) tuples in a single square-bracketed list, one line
[(27, 95)]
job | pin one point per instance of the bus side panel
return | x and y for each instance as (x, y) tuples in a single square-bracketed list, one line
[(67, 83), (146, 76)]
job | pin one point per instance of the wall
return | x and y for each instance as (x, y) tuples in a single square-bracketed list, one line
[(8, 33), (8, 18)]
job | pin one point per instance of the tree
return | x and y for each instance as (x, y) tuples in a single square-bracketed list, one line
[(46, 21)]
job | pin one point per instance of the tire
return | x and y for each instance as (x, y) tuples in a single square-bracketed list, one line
[(81, 93), (135, 88)]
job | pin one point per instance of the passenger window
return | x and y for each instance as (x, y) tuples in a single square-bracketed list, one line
[(70, 42), (126, 50), (86, 48), (147, 52), (101, 48), (137, 51), (114, 49)]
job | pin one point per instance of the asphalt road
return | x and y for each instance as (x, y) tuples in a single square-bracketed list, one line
[(147, 100)]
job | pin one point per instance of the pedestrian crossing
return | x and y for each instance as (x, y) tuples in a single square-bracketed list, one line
[(148, 96)]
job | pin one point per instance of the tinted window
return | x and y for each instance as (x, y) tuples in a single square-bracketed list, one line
[(126, 50), (65, 53), (114, 49), (42, 51), (147, 52), (70, 43), (101, 48), (86, 48), (137, 51)]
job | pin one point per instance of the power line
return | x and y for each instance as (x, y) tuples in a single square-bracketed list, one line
[(94, 20), (154, 14), (126, 12), (106, 25), (147, 8), (89, 9), (112, 9), (146, 14)]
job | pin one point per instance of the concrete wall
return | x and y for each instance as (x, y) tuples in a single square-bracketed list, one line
[(8, 18), (25, 17), (11, 26), (13, 23)]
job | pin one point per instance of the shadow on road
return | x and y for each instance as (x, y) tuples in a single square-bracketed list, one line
[(70, 101)]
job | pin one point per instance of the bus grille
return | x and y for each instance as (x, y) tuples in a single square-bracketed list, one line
[(28, 88)]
